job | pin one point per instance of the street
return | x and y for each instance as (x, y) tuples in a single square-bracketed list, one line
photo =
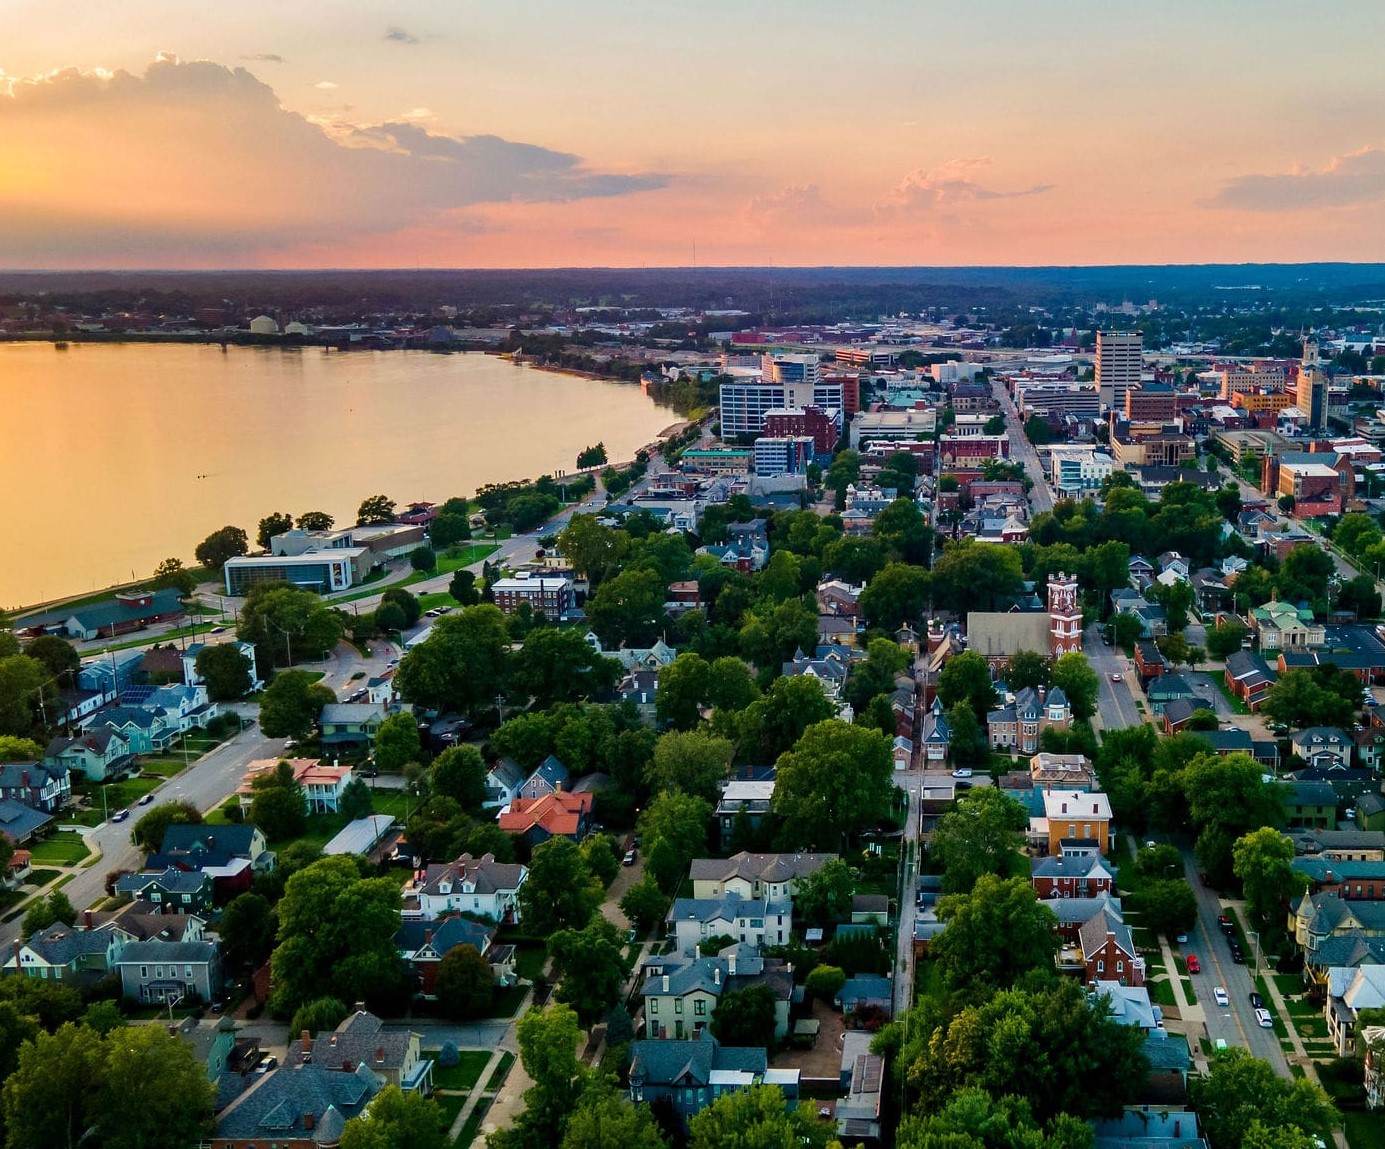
[(1022, 451), (909, 864), (1115, 700)]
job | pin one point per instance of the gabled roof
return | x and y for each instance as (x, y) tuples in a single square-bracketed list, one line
[(171, 880), (428, 941), (559, 813), (157, 950), (275, 1106), (507, 773), (773, 868), (18, 821), (1088, 866), (485, 874), (1094, 934), (236, 841), (690, 1064), (360, 1041), (59, 943)]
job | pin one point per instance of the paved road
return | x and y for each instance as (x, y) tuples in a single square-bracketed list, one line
[(1115, 700), (1021, 450), (1235, 1023), (904, 962)]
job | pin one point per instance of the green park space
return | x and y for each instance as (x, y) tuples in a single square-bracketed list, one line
[(449, 561), (465, 1074)]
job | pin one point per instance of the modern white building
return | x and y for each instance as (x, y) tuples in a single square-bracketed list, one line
[(321, 571), (1077, 471), (1119, 361), (745, 403)]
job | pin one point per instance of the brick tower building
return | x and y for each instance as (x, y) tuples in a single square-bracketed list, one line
[(1064, 615)]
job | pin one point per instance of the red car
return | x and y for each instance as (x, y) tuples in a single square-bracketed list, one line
[(1194, 966)]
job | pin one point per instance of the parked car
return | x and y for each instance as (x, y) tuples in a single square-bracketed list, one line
[(1225, 924), (1263, 1019), (1220, 994), (120, 815), (629, 859), (1194, 966), (266, 1063), (962, 772), (1256, 1001), (145, 799)]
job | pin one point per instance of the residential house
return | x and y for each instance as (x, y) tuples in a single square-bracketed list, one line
[(44, 786), (423, 944), (1309, 804), (1108, 952), (1341, 845), (212, 1043), (1318, 920), (60, 952), (935, 737), (1149, 662), (172, 890), (1249, 677), (1061, 771), (1178, 714), (744, 798), (1166, 1081), (1128, 1005), (830, 673), (350, 722), (1149, 1127), (557, 815), (1323, 747), (157, 971), (756, 921), (189, 663), (298, 1107), (641, 689), (1283, 626), (1370, 747), (653, 658), (1075, 821), (866, 992), (680, 993), (20, 823), (362, 1039), (1173, 565), (870, 909), (548, 778), (773, 877), (902, 752), (858, 1113), (1075, 876), (1349, 991), (146, 730), (21, 862), (689, 1075), (101, 754), (239, 841), (111, 673), (1074, 913), (1370, 811), (1017, 726), (480, 886), (183, 707), (503, 781), (836, 597), (1141, 571), (323, 785), (1164, 689), (1353, 881)]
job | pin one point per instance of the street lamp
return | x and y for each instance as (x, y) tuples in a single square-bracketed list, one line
[(1255, 951)]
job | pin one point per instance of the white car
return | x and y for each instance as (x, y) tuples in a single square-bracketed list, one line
[(962, 772), (1263, 1019), (1220, 994)]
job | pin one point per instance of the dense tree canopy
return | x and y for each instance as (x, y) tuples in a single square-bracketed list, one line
[(835, 782), (995, 935), (461, 665)]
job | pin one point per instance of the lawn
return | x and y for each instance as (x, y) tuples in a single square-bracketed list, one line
[(65, 848), (530, 959), (117, 796), (1161, 992), (472, 1126), (449, 1105), (448, 562), (40, 877), (465, 1074), (1364, 1130), (500, 1072)]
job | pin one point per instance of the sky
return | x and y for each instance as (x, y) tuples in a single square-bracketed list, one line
[(568, 133)]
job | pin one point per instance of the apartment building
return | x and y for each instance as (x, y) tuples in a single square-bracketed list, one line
[(1119, 362)]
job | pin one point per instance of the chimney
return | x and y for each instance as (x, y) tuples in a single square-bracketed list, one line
[(309, 1120), (379, 1055), (666, 983), (716, 975), (87, 920), (307, 1039)]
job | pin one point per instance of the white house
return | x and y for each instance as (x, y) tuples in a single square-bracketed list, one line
[(192, 678), (470, 885), (754, 921)]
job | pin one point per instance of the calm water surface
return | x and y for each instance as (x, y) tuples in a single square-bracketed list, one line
[(115, 456)]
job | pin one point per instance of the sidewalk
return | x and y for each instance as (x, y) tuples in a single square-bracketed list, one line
[(476, 1094)]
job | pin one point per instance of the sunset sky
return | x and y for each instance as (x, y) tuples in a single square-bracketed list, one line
[(524, 133)]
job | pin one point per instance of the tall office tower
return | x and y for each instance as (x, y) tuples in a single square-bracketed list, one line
[(1119, 359), (1312, 388)]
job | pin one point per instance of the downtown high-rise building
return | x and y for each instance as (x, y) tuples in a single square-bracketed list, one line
[(1312, 388), (1120, 358)]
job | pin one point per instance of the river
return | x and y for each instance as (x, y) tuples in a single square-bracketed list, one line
[(116, 456)]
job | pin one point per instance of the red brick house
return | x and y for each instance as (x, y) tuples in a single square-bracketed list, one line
[(1108, 952), (1071, 876)]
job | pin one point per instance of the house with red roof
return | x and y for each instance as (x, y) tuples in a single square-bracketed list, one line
[(561, 814)]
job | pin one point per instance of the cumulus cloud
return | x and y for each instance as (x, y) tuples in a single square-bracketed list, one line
[(1347, 181), (796, 204), (949, 184), (400, 35), (195, 160)]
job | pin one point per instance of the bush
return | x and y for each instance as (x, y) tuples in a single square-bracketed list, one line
[(448, 1055)]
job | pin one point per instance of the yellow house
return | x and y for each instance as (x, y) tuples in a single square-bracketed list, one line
[(1076, 819)]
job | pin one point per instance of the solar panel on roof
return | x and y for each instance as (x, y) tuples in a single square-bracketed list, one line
[(136, 695)]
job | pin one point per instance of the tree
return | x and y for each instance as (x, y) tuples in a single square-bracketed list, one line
[(594, 549), (356, 800), (277, 805), (315, 521), (462, 588), (449, 530), (885, 659), (283, 621), (50, 1098), (1239, 1090), (44, 912), (321, 1015), (730, 684), (979, 836), (970, 575), (1028, 668), (823, 898), (771, 638), (375, 509), (1167, 906), (408, 603), (466, 983), (336, 935), (602, 1120), (459, 773), (1073, 674), (645, 904), (1301, 698), (217, 547), (102, 1016), (825, 982), (683, 687), (895, 596), (754, 1118), (1174, 647), (1262, 860), (271, 525), (903, 533), (1036, 430), (677, 822), (1228, 797), (966, 679), (397, 1120), (1177, 599), (423, 559), (852, 558), (548, 1051), (745, 1017), (23, 682), (695, 762), (246, 931), (227, 671), (289, 709), (1225, 639), (172, 575), (148, 833), (995, 935), (835, 782), (397, 742), (591, 966), (773, 723), (974, 1119), (461, 665), (560, 892), (628, 609), (560, 666), (58, 656)]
